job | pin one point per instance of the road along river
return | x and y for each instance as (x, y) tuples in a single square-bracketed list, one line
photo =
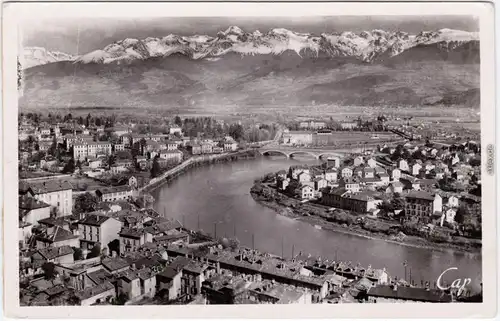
[(216, 199)]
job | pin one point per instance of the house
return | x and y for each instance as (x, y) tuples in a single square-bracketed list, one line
[(304, 177), (169, 283), (132, 238), (195, 149), (118, 147), (132, 182), (120, 130), (305, 192), (320, 183), (346, 172), (294, 171), (448, 216), (101, 293), (453, 201), (358, 161), (348, 125), (94, 228), (297, 137), (395, 187), (57, 193), (83, 150), (331, 174), (351, 184), (32, 210), (358, 202), (371, 162), (59, 255), (172, 145), (395, 293), (415, 169), (206, 148), (283, 183), (229, 145), (368, 172), (56, 238), (423, 204), (117, 168), (175, 130), (384, 178), (171, 155), (333, 162), (114, 193), (95, 163), (115, 265), (396, 174), (403, 165)]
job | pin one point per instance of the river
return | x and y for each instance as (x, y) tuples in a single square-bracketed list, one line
[(216, 199)]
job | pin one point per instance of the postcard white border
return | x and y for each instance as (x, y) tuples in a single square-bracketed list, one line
[(14, 12)]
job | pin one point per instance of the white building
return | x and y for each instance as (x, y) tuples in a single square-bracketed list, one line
[(57, 193)]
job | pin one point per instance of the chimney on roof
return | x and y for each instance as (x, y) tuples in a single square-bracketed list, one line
[(395, 287)]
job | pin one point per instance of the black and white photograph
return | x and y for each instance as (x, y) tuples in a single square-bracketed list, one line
[(250, 160)]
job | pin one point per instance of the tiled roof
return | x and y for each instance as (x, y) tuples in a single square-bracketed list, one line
[(100, 276), (54, 221), (93, 291), (49, 186), (94, 220), (132, 232), (113, 264), (169, 273), (30, 203), (420, 195), (115, 189), (59, 235), (409, 293), (50, 253)]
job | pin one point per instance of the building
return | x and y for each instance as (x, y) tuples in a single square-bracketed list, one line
[(57, 237), (59, 255), (306, 192), (206, 148), (297, 138), (395, 187), (348, 125), (331, 175), (396, 174), (133, 238), (195, 149), (174, 155), (94, 228), (101, 293), (423, 204), (57, 193), (32, 210), (175, 130), (346, 172), (312, 124), (229, 145), (83, 150), (361, 202), (169, 283), (114, 193), (403, 165), (294, 171)]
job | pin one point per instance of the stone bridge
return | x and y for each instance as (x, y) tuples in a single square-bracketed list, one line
[(291, 152)]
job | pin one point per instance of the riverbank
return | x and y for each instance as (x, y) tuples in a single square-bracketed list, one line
[(196, 161), (302, 212)]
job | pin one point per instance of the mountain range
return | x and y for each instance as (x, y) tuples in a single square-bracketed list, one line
[(234, 69)]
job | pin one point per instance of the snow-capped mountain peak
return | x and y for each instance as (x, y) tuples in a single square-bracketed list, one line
[(35, 56), (366, 45)]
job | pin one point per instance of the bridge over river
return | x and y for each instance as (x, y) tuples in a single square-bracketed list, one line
[(317, 153)]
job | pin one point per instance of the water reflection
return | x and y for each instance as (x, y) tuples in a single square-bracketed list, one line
[(220, 193)]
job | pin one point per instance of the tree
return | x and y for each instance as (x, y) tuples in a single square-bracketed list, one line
[(95, 252), (155, 169), (69, 167), (77, 254), (142, 143), (49, 270), (178, 121), (236, 131), (85, 203)]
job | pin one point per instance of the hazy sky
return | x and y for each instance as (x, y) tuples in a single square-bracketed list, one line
[(79, 36)]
